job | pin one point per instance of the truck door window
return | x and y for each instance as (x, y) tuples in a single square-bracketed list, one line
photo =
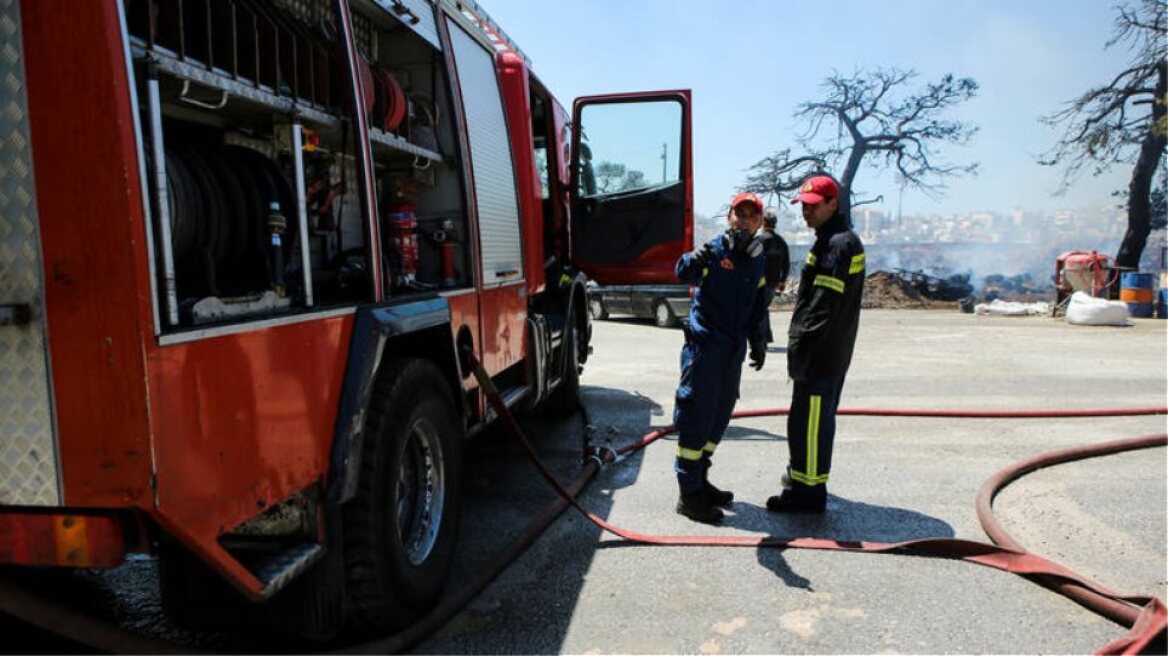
[(628, 147), (539, 134)]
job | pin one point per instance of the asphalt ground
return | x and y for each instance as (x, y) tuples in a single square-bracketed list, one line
[(578, 590)]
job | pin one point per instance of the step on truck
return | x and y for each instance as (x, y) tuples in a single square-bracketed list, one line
[(245, 247)]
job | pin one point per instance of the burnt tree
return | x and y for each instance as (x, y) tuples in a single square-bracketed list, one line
[(1123, 122), (869, 116)]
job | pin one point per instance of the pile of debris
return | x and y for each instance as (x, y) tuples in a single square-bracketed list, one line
[(952, 288), (890, 289), (903, 289), (894, 290), (1022, 288)]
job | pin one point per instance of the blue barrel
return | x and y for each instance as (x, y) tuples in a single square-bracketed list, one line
[(1162, 304), (1135, 289)]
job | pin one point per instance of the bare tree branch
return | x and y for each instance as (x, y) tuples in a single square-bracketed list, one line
[(876, 120), (780, 172), (1109, 125)]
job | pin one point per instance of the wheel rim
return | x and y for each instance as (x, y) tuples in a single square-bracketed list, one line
[(662, 314), (421, 492)]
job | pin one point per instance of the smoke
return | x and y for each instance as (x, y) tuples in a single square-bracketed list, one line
[(977, 261)]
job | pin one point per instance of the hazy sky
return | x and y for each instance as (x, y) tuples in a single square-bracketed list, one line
[(750, 63)]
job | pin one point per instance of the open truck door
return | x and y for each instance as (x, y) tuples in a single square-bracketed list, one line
[(632, 186)]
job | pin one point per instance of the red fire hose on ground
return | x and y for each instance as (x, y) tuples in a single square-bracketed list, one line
[(1146, 616)]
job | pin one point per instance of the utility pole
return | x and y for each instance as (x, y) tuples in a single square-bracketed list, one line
[(899, 202)]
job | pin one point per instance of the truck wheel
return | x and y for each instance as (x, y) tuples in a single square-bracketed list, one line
[(401, 525), (565, 399), (597, 310), (662, 315)]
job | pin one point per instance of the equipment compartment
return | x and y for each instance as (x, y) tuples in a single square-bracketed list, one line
[(253, 161), (250, 156), (420, 197)]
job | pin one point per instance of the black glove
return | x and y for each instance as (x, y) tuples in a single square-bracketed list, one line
[(705, 256), (757, 354)]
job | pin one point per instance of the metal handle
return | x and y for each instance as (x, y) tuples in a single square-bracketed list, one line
[(400, 9), (16, 314), (186, 88)]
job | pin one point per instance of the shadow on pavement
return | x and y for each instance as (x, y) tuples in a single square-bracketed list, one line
[(541, 590), (502, 491), (845, 520)]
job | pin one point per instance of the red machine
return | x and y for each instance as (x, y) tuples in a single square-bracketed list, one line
[(190, 367), (1083, 270)]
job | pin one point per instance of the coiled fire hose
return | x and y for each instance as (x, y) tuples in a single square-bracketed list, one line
[(1146, 616)]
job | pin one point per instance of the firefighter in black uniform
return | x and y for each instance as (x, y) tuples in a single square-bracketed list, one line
[(820, 344), (728, 313), (778, 261)]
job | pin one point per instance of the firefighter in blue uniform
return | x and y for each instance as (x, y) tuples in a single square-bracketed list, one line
[(820, 342), (728, 313)]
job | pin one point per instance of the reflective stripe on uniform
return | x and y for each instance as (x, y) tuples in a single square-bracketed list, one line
[(709, 447), (832, 283), (705, 272), (811, 259), (762, 281), (688, 454), (808, 480), (857, 264), (815, 403), (812, 476)]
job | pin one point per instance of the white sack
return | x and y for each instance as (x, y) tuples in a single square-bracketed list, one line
[(1011, 308), (1086, 310)]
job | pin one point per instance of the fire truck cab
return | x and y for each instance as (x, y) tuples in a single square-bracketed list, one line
[(245, 247)]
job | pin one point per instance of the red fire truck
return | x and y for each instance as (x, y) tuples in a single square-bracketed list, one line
[(244, 246)]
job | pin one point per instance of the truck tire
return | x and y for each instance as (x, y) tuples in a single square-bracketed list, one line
[(662, 315), (401, 525), (597, 310), (565, 399)]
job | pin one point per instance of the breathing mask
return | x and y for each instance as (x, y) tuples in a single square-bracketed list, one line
[(742, 241)]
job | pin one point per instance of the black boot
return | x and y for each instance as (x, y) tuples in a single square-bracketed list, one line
[(799, 499), (717, 497), (699, 507)]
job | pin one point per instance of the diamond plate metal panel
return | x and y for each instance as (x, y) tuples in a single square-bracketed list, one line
[(28, 458), (490, 151)]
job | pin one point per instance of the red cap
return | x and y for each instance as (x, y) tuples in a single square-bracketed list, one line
[(816, 189), (746, 197)]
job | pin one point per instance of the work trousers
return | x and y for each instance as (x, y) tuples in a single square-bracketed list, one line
[(811, 430), (710, 372)]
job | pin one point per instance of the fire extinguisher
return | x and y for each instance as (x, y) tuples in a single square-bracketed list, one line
[(402, 228), (446, 239)]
